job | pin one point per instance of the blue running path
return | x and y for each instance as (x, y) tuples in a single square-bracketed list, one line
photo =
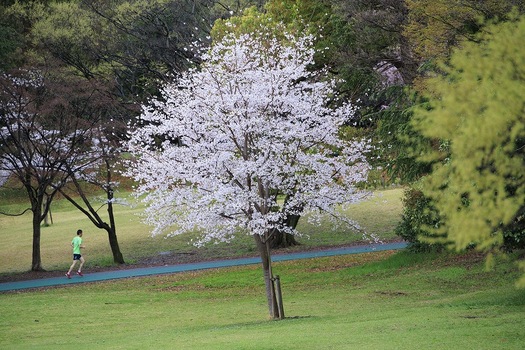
[(158, 270)]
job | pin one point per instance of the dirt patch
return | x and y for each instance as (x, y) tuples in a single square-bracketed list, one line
[(391, 293)]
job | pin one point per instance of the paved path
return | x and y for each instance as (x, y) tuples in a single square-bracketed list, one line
[(158, 270)]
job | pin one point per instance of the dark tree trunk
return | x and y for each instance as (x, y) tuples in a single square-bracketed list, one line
[(281, 239), (113, 243), (112, 233), (264, 252), (36, 263)]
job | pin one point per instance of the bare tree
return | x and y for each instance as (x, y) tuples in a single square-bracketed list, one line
[(42, 134)]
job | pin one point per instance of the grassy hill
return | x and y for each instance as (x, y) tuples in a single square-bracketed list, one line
[(381, 300), (384, 300)]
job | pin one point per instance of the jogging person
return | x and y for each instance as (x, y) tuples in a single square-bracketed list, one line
[(76, 243)]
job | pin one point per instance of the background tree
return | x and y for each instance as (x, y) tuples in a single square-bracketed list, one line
[(41, 131), (250, 126), (150, 40), (476, 113), (435, 28), (131, 45), (378, 65), (431, 30), (9, 41), (375, 42), (125, 50)]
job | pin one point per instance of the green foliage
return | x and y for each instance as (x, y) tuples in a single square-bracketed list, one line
[(15, 21), (228, 8), (132, 46), (418, 215), (299, 17), (349, 44), (398, 142), (514, 234), (249, 21), (435, 27), (477, 111), (65, 31), (9, 42)]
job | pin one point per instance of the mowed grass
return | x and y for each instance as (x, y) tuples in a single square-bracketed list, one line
[(378, 215), (383, 300)]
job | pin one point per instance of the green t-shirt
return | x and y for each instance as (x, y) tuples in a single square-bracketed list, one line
[(76, 242)]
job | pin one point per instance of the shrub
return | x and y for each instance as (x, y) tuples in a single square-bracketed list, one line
[(418, 213)]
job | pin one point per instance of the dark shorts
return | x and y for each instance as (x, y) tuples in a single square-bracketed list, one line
[(76, 256)]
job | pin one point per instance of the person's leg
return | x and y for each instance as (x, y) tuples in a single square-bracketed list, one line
[(81, 264), (71, 268)]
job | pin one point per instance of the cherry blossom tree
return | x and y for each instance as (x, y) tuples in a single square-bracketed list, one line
[(228, 141)]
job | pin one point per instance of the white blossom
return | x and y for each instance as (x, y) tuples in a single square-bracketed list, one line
[(228, 140)]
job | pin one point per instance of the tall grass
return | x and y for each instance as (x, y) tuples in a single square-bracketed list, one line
[(379, 215)]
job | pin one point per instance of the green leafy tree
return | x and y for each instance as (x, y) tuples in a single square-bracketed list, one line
[(476, 113), (432, 30), (435, 27), (376, 38), (134, 45), (418, 215), (9, 42)]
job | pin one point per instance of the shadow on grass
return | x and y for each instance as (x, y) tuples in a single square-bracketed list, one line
[(266, 322)]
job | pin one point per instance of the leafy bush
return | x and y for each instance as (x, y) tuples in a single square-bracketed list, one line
[(514, 234), (418, 213)]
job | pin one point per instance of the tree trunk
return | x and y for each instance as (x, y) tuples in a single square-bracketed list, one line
[(46, 210), (95, 218), (36, 264), (264, 252), (112, 232), (113, 243), (281, 239)]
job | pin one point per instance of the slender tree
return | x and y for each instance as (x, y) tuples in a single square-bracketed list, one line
[(100, 172), (229, 140)]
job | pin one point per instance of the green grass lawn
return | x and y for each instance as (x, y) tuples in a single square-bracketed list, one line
[(383, 300), (378, 215)]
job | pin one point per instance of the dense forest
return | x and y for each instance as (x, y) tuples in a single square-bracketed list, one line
[(437, 85)]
